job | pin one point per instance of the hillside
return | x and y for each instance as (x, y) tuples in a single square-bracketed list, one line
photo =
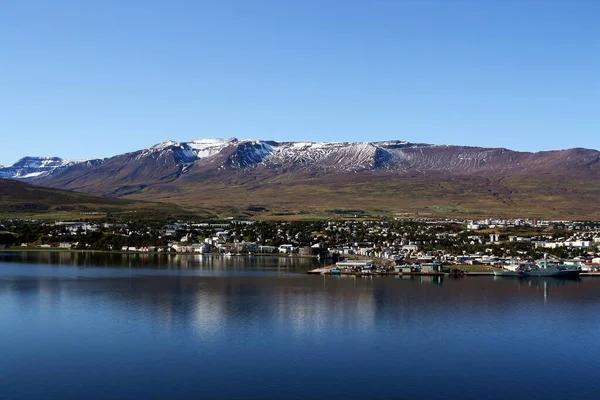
[(22, 199), (392, 176)]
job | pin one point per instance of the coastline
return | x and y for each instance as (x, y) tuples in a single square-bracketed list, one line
[(64, 250)]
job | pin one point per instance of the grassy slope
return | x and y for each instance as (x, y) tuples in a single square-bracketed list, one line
[(546, 197), (18, 199), (301, 197)]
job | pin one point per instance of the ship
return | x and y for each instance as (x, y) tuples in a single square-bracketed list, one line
[(546, 268), (558, 271)]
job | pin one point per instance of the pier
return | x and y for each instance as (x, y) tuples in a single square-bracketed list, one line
[(328, 271)]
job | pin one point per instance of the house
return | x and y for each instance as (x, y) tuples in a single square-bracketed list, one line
[(589, 267), (519, 239), (222, 236), (404, 269), (287, 249), (356, 264), (201, 248), (428, 268), (173, 229)]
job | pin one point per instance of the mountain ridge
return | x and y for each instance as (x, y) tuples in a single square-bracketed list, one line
[(394, 175), (274, 151)]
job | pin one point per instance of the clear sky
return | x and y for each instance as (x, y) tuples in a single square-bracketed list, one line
[(95, 78)]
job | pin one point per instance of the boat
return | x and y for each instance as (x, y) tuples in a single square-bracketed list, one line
[(558, 271), (548, 269)]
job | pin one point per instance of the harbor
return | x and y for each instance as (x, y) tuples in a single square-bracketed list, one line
[(369, 268)]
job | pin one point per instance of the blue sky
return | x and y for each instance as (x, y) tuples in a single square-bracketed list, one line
[(81, 79)]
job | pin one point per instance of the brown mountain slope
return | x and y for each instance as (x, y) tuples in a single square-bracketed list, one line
[(517, 196), (20, 198)]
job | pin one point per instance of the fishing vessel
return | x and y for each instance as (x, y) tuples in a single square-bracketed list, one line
[(559, 271), (552, 269)]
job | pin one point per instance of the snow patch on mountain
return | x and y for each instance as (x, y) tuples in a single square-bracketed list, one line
[(181, 152), (37, 167), (249, 153), (164, 145), (204, 148), (32, 175), (349, 156)]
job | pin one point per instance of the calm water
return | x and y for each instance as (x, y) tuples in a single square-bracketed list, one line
[(102, 326)]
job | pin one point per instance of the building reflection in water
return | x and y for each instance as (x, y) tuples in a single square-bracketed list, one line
[(236, 304)]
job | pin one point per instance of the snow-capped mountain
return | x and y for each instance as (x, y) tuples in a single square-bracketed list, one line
[(241, 173), (29, 168), (172, 160), (395, 155), (347, 156)]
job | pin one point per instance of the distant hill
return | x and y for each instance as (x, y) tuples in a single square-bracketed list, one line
[(21, 198), (392, 176)]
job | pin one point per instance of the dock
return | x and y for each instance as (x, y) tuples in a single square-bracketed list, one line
[(327, 271)]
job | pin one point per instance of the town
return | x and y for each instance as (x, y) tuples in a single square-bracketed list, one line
[(400, 241)]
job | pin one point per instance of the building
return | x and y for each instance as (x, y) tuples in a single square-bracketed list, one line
[(287, 249), (356, 264)]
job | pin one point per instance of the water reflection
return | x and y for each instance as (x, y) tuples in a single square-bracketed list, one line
[(210, 305), (167, 334), (158, 260)]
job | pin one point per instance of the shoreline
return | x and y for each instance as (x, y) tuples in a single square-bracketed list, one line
[(474, 273), (169, 253)]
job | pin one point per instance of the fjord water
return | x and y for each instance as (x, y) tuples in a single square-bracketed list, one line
[(97, 326)]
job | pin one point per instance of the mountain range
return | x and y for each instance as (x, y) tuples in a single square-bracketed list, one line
[(313, 177)]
